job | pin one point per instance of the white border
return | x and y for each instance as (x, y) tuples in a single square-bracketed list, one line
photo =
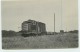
[(43, 50)]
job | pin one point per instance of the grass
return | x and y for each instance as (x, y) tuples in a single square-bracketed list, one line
[(66, 40)]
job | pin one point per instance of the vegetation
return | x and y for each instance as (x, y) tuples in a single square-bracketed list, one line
[(61, 40), (8, 33), (74, 31)]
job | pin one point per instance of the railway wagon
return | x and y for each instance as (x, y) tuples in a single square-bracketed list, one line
[(32, 27)]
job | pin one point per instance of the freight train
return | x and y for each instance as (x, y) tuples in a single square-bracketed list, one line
[(32, 27)]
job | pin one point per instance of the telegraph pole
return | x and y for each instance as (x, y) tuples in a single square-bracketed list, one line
[(54, 23), (61, 15)]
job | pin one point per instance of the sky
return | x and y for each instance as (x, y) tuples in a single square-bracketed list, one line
[(14, 12)]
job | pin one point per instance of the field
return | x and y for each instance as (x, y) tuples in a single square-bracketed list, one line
[(66, 40)]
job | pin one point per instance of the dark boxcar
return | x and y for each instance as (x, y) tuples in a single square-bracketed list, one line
[(32, 27)]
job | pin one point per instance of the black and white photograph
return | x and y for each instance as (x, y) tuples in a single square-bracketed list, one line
[(39, 24)]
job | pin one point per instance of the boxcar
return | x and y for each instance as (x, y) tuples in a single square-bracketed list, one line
[(32, 27)]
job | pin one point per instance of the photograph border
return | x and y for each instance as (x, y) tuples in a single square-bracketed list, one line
[(43, 50)]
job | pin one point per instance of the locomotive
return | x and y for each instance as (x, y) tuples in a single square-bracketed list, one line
[(32, 27)]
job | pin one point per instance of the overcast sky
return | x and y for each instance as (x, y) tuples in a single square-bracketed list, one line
[(16, 11)]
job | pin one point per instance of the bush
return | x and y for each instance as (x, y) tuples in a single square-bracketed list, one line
[(8, 33), (75, 31)]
